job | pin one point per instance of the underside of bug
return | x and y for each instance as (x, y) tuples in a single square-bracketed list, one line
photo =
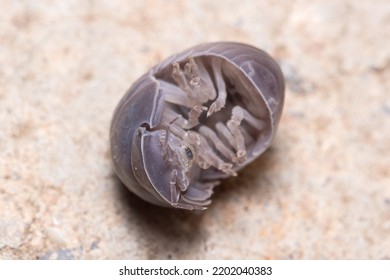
[(207, 120), (205, 127)]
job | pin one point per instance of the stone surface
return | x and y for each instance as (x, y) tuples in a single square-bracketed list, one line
[(321, 192)]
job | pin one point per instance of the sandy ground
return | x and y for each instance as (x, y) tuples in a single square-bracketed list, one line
[(321, 192)]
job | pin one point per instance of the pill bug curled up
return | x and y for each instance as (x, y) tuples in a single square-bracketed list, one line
[(196, 118)]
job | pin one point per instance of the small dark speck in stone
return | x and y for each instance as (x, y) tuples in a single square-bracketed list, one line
[(386, 109), (298, 115), (145, 49), (238, 23), (94, 245), (293, 79), (62, 254)]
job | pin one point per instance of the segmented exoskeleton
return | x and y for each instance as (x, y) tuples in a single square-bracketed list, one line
[(193, 119)]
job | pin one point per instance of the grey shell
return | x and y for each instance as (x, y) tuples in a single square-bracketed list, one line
[(193, 119)]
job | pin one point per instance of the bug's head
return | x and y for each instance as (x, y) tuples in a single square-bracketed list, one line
[(169, 169)]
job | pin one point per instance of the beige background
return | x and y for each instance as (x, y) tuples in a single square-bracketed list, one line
[(321, 192)]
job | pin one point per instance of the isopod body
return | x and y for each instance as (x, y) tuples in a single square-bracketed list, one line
[(194, 119)]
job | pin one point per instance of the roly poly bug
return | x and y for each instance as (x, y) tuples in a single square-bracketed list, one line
[(193, 119)]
